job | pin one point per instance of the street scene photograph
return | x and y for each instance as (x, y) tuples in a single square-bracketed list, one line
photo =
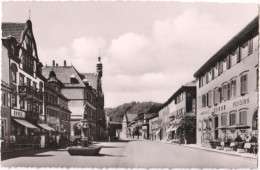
[(155, 84)]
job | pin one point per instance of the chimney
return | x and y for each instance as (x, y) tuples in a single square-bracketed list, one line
[(64, 63), (57, 65), (53, 62)]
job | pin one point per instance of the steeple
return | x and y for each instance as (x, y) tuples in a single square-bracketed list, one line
[(99, 74)]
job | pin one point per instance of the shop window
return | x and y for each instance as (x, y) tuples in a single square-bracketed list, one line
[(224, 120), (243, 117), (243, 83), (77, 130), (232, 119)]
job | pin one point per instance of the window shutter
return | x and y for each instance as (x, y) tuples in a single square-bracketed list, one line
[(213, 73), (228, 62), (228, 91), (238, 54), (250, 46)]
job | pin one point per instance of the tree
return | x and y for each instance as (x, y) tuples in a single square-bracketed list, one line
[(187, 129)]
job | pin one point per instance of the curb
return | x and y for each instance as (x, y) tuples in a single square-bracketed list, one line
[(210, 150)]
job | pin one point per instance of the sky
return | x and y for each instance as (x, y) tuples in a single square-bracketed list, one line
[(148, 49)]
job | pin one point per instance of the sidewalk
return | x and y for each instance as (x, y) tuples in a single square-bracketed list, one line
[(233, 153)]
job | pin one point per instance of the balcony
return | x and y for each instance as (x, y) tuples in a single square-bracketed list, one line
[(29, 93)]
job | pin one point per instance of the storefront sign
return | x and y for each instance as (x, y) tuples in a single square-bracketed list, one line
[(17, 113), (220, 108), (240, 102)]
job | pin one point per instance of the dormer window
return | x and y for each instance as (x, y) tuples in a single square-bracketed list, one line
[(73, 79)]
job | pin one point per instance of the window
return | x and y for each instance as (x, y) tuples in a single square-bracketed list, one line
[(232, 119), (28, 82), (22, 103), (4, 100), (224, 120), (228, 91), (228, 62), (21, 80), (220, 94), (34, 85), (29, 106), (14, 99), (213, 73), (233, 88), (204, 100), (13, 75), (243, 83), (3, 128), (257, 78), (244, 50), (216, 96), (255, 121), (209, 98), (220, 68), (243, 117), (207, 78), (250, 46), (238, 55)]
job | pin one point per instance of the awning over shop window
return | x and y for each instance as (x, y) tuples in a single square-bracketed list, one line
[(158, 131), (25, 123), (169, 130), (45, 126)]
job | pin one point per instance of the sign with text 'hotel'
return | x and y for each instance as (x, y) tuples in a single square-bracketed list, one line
[(17, 113)]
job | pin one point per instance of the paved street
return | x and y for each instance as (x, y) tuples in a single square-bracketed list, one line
[(134, 154)]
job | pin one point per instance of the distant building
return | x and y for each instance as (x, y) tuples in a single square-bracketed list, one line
[(227, 90), (85, 94)]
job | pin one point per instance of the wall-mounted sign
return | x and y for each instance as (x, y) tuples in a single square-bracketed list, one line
[(240, 102), (220, 108), (17, 113)]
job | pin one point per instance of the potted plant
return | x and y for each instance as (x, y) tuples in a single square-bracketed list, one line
[(240, 144), (214, 143)]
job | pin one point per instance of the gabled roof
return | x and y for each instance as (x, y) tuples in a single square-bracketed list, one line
[(131, 117), (189, 85), (92, 79), (14, 29), (249, 30), (64, 73)]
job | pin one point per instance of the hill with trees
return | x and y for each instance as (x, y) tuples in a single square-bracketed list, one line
[(117, 114)]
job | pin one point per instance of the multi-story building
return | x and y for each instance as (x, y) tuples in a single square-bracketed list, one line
[(163, 116), (57, 114), (182, 104), (26, 81), (6, 101), (85, 94), (154, 126), (227, 89)]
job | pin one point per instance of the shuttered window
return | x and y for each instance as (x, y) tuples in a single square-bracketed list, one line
[(210, 98), (216, 96), (243, 117), (238, 55), (225, 91), (204, 100), (250, 46), (224, 120), (232, 119), (243, 83), (233, 88)]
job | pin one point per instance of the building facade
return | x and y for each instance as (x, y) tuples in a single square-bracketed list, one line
[(26, 81), (227, 90), (84, 90)]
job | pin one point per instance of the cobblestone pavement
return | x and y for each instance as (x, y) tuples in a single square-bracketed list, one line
[(133, 154)]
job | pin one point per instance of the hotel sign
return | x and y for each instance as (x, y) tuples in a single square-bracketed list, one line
[(18, 113), (240, 102)]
